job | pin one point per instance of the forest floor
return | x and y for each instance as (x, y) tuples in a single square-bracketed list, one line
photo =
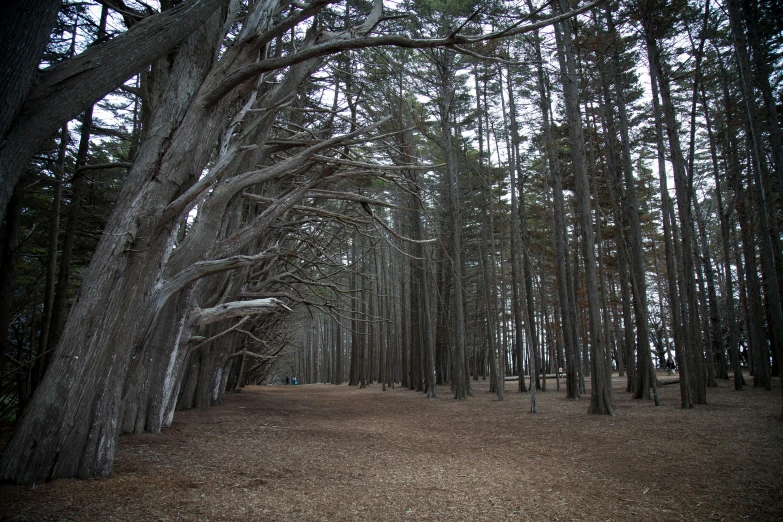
[(324, 452)]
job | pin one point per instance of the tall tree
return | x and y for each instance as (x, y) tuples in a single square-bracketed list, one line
[(559, 230), (600, 395), (644, 373), (684, 206)]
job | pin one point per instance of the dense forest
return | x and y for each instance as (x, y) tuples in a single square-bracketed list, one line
[(204, 194)]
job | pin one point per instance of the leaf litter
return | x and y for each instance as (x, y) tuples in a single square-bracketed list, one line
[(322, 452)]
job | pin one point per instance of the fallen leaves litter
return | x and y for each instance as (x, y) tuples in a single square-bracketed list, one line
[(324, 452)]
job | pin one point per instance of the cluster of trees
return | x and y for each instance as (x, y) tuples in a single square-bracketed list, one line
[(423, 192), (573, 253)]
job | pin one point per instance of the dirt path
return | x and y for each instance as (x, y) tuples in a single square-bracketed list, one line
[(336, 453)]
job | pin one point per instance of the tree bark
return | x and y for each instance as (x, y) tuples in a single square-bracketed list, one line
[(25, 26), (600, 396), (70, 87), (685, 214), (667, 210), (558, 226), (78, 181), (95, 350)]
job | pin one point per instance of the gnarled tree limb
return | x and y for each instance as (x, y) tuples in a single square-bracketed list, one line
[(68, 88), (205, 316)]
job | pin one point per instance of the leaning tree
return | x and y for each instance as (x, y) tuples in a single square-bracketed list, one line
[(221, 125)]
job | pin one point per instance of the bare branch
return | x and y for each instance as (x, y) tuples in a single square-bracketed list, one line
[(311, 210), (103, 166), (177, 207), (221, 334), (374, 166), (398, 236), (203, 269), (350, 196), (484, 57), (251, 354), (223, 311), (456, 31), (256, 339), (336, 45)]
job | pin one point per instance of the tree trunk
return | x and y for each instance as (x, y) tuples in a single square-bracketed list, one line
[(25, 27), (489, 315), (686, 219), (10, 253), (338, 364), (487, 257), (761, 76), (758, 167), (64, 273), (516, 237), (78, 181), (92, 358), (68, 88), (600, 397), (667, 209), (353, 379), (723, 215), (638, 279), (446, 94), (558, 226), (51, 261)]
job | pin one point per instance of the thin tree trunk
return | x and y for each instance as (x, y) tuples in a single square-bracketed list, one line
[(487, 256), (558, 226), (723, 215), (686, 220), (768, 224), (72, 216), (51, 260), (353, 379), (8, 261), (638, 280), (600, 397), (667, 209), (761, 76), (515, 234), (446, 95), (708, 299)]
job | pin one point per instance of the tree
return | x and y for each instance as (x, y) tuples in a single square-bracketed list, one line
[(600, 398), (155, 323), (63, 91)]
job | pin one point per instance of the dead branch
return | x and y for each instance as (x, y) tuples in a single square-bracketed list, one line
[(350, 196), (205, 268), (336, 45), (221, 334), (251, 354), (223, 311)]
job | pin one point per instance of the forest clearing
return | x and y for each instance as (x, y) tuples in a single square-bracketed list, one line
[(321, 452)]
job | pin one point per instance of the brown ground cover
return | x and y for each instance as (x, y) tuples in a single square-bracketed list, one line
[(325, 452)]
